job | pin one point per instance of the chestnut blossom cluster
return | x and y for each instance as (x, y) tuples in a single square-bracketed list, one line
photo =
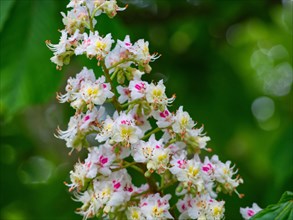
[(142, 137)]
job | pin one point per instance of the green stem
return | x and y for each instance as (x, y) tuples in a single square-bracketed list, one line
[(153, 188), (91, 19), (122, 61), (113, 75), (108, 78), (172, 141), (140, 194), (95, 11), (167, 185), (137, 169), (151, 132), (128, 103)]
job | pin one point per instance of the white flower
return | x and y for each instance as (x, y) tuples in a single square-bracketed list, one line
[(62, 46), (95, 45), (75, 19), (99, 160), (90, 206), (195, 138), (79, 126), (223, 174), (124, 94), (215, 209), (78, 176), (120, 53), (177, 147), (75, 3), (159, 160), (91, 118), (137, 74), (155, 207), (95, 93), (155, 95), (63, 50), (125, 130), (137, 89), (114, 190), (107, 130), (73, 85), (71, 135), (188, 170), (164, 118), (143, 151), (182, 122), (140, 119), (110, 8), (134, 213), (142, 54), (248, 212)]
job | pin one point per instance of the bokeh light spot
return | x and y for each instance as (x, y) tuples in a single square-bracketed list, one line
[(263, 108), (180, 41), (35, 170)]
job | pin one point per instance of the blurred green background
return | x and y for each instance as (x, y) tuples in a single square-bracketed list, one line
[(229, 63)]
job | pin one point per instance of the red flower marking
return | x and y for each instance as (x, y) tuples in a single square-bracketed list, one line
[(138, 87), (117, 185), (86, 118), (103, 160), (250, 212)]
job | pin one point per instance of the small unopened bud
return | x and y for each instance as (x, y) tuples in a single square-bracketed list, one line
[(179, 189), (147, 68), (148, 174)]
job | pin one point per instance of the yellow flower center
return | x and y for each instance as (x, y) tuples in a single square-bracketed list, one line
[(226, 171), (92, 91), (101, 45), (184, 121), (126, 132), (145, 49), (217, 211), (162, 157), (157, 92), (106, 192), (157, 211), (135, 215), (192, 171)]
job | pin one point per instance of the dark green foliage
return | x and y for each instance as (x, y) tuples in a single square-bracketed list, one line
[(281, 211)]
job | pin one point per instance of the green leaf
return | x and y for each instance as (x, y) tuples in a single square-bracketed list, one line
[(283, 210), (5, 8), (27, 74)]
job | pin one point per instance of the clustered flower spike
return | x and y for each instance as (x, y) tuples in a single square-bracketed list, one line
[(142, 134)]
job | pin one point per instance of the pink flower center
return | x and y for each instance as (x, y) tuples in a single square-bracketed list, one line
[(103, 160), (87, 42), (183, 207), (126, 91), (250, 212), (138, 87), (164, 114), (144, 204), (125, 122), (117, 185), (207, 167), (181, 163), (130, 189), (86, 118)]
